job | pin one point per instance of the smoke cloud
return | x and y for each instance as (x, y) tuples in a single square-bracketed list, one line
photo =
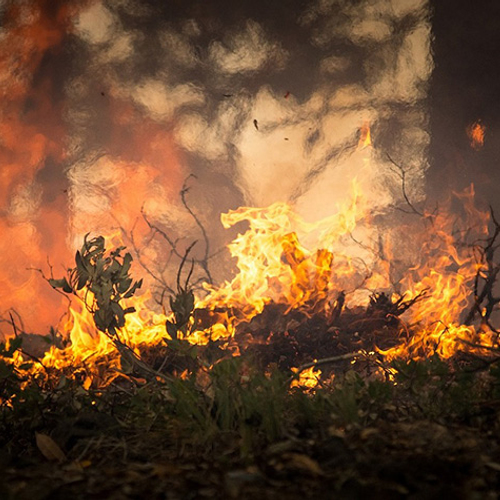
[(112, 105)]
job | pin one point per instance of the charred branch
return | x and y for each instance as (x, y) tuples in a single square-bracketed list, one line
[(485, 300), (401, 173)]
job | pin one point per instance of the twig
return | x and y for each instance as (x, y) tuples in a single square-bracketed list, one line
[(179, 271), (203, 262), (137, 251), (487, 274), (66, 296), (324, 361), (13, 324), (135, 361), (402, 174), (479, 346)]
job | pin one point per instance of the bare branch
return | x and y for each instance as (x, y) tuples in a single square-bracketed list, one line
[(203, 262), (325, 361), (402, 174)]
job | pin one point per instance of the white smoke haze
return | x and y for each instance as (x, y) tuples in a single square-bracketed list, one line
[(246, 51), (260, 109)]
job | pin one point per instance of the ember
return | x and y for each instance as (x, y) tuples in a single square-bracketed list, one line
[(476, 132)]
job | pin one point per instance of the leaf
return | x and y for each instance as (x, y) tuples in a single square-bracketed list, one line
[(190, 301), (171, 329), (103, 319), (83, 276), (127, 260), (49, 448), (119, 313), (124, 284), (114, 268), (135, 287), (14, 344), (303, 462), (81, 265), (62, 283)]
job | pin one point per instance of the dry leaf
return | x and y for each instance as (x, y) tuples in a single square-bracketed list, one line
[(303, 462), (367, 432), (49, 448), (493, 465)]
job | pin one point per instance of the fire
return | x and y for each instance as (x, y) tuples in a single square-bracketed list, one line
[(32, 139), (319, 269), (365, 139), (87, 346), (51, 184), (274, 266), (308, 378), (476, 132), (446, 273)]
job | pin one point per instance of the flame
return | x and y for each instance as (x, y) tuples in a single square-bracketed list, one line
[(273, 266), (308, 378), (475, 132), (89, 348), (43, 209), (446, 272), (32, 222), (365, 139), (307, 266)]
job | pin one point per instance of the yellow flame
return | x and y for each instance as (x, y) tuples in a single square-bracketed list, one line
[(308, 378), (365, 139), (284, 259)]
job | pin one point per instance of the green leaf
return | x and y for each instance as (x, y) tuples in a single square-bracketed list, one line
[(124, 285), (189, 301), (81, 265), (61, 283), (127, 261), (135, 287), (172, 329), (114, 268), (119, 313), (83, 278), (14, 344), (103, 319)]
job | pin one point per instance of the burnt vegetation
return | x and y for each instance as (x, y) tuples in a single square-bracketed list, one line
[(229, 419)]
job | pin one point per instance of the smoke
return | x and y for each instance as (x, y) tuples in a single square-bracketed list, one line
[(111, 105)]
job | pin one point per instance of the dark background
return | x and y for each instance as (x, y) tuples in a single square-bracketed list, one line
[(465, 87)]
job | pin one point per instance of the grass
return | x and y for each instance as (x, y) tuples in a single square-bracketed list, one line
[(234, 429)]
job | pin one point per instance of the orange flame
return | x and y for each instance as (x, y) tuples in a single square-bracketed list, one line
[(476, 132), (32, 222), (274, 266), (365, 139)]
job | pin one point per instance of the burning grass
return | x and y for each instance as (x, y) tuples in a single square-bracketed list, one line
[(317, 347)]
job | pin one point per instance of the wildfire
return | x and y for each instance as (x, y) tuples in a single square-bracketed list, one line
[(274, 266), (319, 269)]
